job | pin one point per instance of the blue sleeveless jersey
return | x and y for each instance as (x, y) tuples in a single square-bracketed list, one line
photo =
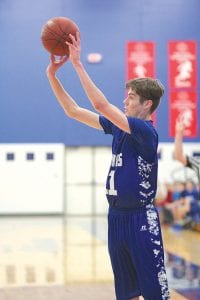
[(132, 177)]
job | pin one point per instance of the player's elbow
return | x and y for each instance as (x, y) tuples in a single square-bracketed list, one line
[(101, 107), (71, 112), (177, 156), (180, 157)]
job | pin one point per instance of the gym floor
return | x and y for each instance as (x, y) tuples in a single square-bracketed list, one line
[(66, 258)]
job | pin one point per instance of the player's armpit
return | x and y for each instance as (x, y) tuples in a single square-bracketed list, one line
[(115, 115)]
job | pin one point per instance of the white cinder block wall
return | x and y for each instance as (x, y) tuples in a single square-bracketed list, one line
[(52, 178), (31, 178)]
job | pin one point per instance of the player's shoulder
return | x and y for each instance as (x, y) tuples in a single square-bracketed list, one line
[(140, 122)]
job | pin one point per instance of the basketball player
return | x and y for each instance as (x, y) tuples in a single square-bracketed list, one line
[(134, 235), (186, 160)]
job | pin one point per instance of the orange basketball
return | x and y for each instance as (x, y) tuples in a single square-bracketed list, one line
[(55, 33)]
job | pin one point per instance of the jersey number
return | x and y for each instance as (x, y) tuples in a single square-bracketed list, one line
[(111, 190)]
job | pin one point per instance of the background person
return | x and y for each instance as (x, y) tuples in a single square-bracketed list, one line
[(186, 160)]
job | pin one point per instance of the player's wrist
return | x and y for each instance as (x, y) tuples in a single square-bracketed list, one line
[(50, 74), (77, 64), (179, 133)]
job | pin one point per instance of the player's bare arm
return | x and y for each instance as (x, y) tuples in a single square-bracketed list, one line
[(71, 108), (97, 98), (178, 142)]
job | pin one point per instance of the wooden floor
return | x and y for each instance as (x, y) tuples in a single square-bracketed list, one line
[(56, 258), (185, 243), (69, 292)]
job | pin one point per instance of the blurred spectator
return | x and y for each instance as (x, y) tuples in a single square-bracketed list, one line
[(186, 160), (191, 272), (178, 191), (191, 203), (191, 190), (177, 205), (163, 197)]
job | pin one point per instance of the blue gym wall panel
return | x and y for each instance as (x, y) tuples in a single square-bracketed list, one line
[(29, 111)]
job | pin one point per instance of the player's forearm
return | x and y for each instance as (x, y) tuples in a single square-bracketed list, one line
[(64, 99), (94, 94)]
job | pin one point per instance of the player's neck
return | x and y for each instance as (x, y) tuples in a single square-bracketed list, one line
[(144, 116)]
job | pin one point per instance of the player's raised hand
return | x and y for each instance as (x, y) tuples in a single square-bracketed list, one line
[(55, 64), (180, 125), (74, 48)]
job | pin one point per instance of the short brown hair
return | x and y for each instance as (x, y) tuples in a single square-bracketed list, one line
[(148, 89)]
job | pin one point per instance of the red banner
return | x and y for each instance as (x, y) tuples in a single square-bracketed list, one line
[(140, 60), (182, 64), (184, 103)]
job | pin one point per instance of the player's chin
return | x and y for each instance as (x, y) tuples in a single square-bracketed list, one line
[(127, 114)]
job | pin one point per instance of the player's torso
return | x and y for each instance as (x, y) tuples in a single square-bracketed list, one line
[(131, 179)]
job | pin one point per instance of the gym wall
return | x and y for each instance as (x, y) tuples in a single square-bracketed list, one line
[(29, 111)]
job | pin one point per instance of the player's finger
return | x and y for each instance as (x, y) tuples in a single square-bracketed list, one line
[(52, 58), (61, 60), (68, 43), (71, 47), (78, 36), (73, 39), (65, 58)]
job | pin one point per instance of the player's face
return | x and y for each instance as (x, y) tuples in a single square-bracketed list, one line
[(133, 107)]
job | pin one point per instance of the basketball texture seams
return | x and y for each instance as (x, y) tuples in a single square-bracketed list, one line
[(56, 32)]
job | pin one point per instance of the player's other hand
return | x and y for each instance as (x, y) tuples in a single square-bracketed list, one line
[(55, 64), (180, 125), (74, 49)]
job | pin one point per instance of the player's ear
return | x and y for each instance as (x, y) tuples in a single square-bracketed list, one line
[(148, 104)]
